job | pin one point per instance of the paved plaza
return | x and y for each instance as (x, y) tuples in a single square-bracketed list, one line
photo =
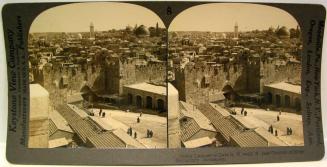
[(124, 120), (260, 118)]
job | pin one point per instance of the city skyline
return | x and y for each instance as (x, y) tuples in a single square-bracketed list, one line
[(248, 17), (102, 14)]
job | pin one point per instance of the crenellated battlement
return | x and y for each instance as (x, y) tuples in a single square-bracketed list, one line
[(196, 81)]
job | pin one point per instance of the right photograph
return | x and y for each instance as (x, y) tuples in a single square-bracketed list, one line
[(234, 73)]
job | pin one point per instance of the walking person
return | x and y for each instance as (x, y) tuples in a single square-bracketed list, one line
[(276, 134), (130, 131), (135, 135), (103, 115), (100, 112), (291, 131), (271, 129), (278, 118), (138, 120), (151, 133), (245, 113)]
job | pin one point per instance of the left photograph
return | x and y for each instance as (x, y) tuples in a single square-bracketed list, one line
[(97, 77)]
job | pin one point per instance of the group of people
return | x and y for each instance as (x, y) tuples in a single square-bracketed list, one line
[(102, 114), (130, 132), (149, 133), (271, 130), (244, 112), (289, 131)]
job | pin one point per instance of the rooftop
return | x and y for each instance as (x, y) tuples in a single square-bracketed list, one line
[(74, 98), (147, 87), (220, 109), (249, 139), (225, 125), (37, 90), (105, 140), (192, 112), (198, 142), (188, 129), (59, 121), (286, 87), (78, 111), (172, 90), (58, 142)]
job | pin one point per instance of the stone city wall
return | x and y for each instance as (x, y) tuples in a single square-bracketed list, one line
[(199, 84)]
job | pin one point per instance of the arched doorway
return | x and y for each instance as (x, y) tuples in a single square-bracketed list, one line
[(278, 99), (161, 105), (269, 98), (129, 99), (287, 100), (229, 93), (297, 104), (88, 94), (149, 102), (138, 101)]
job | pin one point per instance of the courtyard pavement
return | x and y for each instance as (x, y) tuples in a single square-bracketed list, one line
[(124, 120), (257, 118)]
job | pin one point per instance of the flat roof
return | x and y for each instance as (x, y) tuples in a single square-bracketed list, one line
[(37, 90), (147, 87), (74, 98), (58, 142), (198, 142), (286, 87), (172, 90)]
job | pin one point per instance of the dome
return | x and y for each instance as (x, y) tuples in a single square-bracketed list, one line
[(282, 32), (142, 31)]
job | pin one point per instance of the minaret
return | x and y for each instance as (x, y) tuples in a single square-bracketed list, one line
[(236, 30), (92, 36), (157, 29)]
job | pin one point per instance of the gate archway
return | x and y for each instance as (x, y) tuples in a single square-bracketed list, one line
[(149, 102), (161, 105), (287, 101), (278, 100), (269, 98), (129, 99), (138, 101)]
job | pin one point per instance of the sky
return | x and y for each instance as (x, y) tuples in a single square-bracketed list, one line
[(221, 17), (104, 15)]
